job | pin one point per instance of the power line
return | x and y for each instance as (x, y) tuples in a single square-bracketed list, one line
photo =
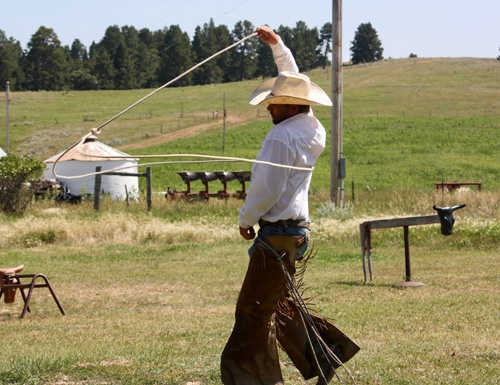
[(168, 14), (232, 9)]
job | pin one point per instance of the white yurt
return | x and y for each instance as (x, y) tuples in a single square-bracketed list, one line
[(83, 159), (2, 153)]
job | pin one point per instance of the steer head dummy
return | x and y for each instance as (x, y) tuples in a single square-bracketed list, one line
[(446, 217)]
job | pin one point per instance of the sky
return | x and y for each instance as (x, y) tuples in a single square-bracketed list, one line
[(426, 28)]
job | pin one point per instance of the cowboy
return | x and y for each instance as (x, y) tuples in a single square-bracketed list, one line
[(266, 313)]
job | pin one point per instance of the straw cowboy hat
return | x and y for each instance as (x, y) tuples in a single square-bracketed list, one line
[(290, 88)]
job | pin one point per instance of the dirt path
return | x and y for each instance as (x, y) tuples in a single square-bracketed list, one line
[(231, 122)]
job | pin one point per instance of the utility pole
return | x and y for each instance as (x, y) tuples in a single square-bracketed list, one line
[(224, 122), (337, 161), (7, 120)]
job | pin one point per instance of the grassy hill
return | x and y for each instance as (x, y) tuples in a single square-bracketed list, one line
[(149, 296), (407, 123)]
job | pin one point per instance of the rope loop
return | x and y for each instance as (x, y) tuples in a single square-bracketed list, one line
[(97, 130)]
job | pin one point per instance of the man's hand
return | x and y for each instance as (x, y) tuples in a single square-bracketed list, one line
[(267, 35), (248, 233)]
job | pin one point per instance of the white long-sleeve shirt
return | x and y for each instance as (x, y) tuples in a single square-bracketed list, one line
[(280, 193)]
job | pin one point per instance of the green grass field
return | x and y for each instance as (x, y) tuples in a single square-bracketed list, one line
[(149, 297), (408, 123)]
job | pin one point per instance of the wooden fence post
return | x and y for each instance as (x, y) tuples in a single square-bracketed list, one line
[(149, 190), (97, 188)]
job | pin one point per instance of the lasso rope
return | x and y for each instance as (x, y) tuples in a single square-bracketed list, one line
[(97, 130), (211, 159)]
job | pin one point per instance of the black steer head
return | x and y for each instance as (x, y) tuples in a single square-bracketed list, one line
[(446, 217)]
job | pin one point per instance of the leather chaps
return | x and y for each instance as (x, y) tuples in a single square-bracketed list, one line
[(250, 356)]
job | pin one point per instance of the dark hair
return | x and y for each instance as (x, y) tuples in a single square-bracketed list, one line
[(304, 108)]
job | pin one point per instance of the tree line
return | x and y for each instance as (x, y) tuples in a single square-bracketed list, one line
[(127, 58)]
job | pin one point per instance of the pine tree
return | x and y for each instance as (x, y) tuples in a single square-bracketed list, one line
[(326, 36), (175, 57), (366, 46), (243, 63), (102, 67), (307, 49), (11, 54), (204, 46), (46, 64)]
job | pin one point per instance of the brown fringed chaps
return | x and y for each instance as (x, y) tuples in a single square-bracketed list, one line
[(266, 316)]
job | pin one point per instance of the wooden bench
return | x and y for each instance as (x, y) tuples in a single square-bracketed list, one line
[(454, 186)]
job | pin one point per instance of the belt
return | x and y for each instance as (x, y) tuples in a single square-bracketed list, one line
[(286, 223)]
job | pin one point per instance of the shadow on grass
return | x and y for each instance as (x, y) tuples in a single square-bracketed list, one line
[(361, 283)]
